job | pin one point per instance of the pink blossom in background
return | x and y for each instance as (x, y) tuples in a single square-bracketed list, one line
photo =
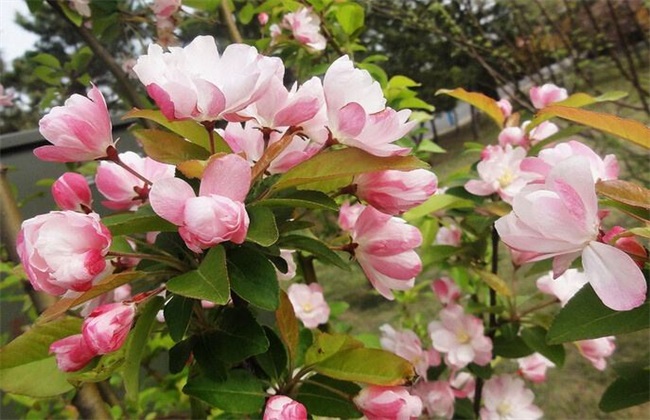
[(394, 192), (298, 151), (72, 192), (534, 367), (80, 6), (542, 131), (287, 255), (559, 220), (446, 290), (79, 130), (388, 402), (449, 235), (165, 36), (506, 107), (460, 337), (280, 407), (6, 97), (597, 350), (514, 136), (542, 96), (380, 131), (384, 247), (118, 294), (196, 82), (499, 173), (505, 397), (407, 345), (437, 398), (309, 304), (263, 18), (165, 8), (246, 139), (304, 24), (463, 384), (628, 244), (72, 353), (565, 286), (63, 250), (107, 327)]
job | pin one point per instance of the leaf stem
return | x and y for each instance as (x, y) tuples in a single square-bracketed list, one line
[(113, 156)]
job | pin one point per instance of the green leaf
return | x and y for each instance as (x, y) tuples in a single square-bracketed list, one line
[(626, 392), (302, 199), (28, 379), (478, 100), (178, 312), (179, 354), (327, 345), (370, 366), (81, 59), (314, 247), (511, 348), (48, 75), (212, 367), (205, 5), (318, 398), (274, 361), (142, 221), (167, 147), (535, 337), (287, 324), (483, 372), (429, 146), (262, 229), (495, 282), (435, 203), (342, 165), (578, 100), (350, 16), (103, 370), (209, 281), (242, 393), (253, 278), (585, 316), (246, 13), (632, 211), (136, 346), (47, 60), (625, 192)]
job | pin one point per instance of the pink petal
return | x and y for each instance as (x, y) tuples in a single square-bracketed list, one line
[(351, 119), (168, 197), (229, 176)]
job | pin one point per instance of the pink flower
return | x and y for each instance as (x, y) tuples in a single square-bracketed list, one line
[(124, 190), (106, 328), (437, 397), (263, 18), (542, 96), (446, 290), (280, 407), (463, 384), (534, 367), (560, 220), (118, 294), (597, 350), (500, 173), (6, 98), (309, 304), (72, 192), (63, 250), (563, 287), (541, 132), (460, 337), (389, 402), (628, 244), (72, 353), (217, 214), (383, 246), (449, 235), (394, 192), (514, 136), (79, 130), (506, 107), (305, 27), (407, 345), (165, 8), (349, 214), (505, 397), (287, 255), (196, 82)]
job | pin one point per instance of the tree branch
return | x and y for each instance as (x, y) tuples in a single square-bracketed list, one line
[(226, 13)]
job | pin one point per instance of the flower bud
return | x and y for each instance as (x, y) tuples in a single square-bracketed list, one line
[(72, 353), (71, 192), (394, 192), (384, 402), (106, 328), (280, 407)]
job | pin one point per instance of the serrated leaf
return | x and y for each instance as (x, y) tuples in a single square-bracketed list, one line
[(478, 100), (535, 338), (314, 247), (370, 366), (208, 282), (626, 392), (253, 278), (144, 220), (167, 147), (241, 393), (262, 229)]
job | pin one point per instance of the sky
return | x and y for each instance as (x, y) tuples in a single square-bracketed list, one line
[(14, 41)]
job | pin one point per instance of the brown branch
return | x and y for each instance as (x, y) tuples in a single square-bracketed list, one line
[(226, 13)]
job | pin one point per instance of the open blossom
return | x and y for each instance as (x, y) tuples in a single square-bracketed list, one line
[(628, 244), (446, 290), (449, 235), (79, 130), (384, 247), (106, 328), (394, 192), (437, 398), (63, 250), (559, 220), (165, 8), (72, 192), (196, 82), (505, 397), (217, 214), (542, 96), (597, 350), (309, 304), (304, 24), (388, 402), (460, 337), (407, 345), (72, 353), (123, 190), (280, 407), (565, 286), (534, 367)]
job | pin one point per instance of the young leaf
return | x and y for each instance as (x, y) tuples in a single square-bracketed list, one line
[(535, 338), (350, 16), (253, 278), (241, 393), (287, 324), (209, 281), (327, 345), (495, 282), (27, 379), (167, 147), (626, 392), (370, 366), (625, 192), (262, 229), (478, 100), (318, 396)]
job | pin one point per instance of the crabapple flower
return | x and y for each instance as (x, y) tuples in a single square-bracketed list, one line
[(463, 384), (106, 328), (542, 96), (446, 290), (217, 214), (280, 407), (514, 136), (460, 337), (196, 82), (287, 255), (123, 190), (309, 304), (565, 286), (437, 398), (388, 402), (304, 24), (559, 220), (349, 214), (628, 244), (118, 294), (394, 192), (534, 367), (505, 106), (449, 235), (505, 397), (165, 8), (72, 353), (6, 98), (384, 247), (63, 250), (263, 18), (542, 131), (79, 130), (597, 350), (407, 345), (72, 192)]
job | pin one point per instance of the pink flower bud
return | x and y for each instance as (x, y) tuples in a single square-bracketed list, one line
[(309, 304), (446, 290), (165, 8), (263, 18), (71, 192), (628, 244), (597, 350), (107, 327), (513, 136), (72, 353), (305, 26), (349, 214), (388, 402), (547, 94), (505, 106), (463, 384), (280, 407), (449, 235), (394, 192)]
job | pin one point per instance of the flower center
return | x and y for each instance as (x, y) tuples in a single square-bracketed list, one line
[(504, 409), (506, 178), (307, 307), (462, 337)]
